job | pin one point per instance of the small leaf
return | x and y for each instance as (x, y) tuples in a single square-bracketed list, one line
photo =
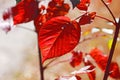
[(58, 36), (101, 61), (99, 57), (75, 2), (76, 59), (114, 70), (87, 18), (24, 11), (83, 5)]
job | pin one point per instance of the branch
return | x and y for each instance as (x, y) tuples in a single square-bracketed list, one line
[(113, 44)]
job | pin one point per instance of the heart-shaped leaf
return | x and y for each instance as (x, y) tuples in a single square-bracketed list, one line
[(58, 36)]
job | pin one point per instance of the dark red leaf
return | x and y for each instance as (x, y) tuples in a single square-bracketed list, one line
[(87, 18), (57, 8), (58, 36), (99, 57), (78, 77), (83, 5), (25, 11), (76, 59), (114, 70), (92, 75)]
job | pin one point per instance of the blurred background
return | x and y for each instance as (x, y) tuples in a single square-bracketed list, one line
[(19, 53)]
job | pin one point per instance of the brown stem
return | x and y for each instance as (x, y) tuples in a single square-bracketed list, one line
[(106, 19), (112, 51), (41, 69), (113, 44)]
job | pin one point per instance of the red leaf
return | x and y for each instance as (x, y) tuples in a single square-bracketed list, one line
[(83, 5), (25, 11), (76, 59), (57, 8), (99, 57), (58, 36), (114, 70), (101, 61), (92, 75), (87, 18)]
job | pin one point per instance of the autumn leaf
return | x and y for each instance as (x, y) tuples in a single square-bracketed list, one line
[(58, 36), (101, 60), (75, 2), (83, 5), (114, 70), (87, 18), (99, 57), (24, 11), (92, 75), (57, 8), (76, 59)]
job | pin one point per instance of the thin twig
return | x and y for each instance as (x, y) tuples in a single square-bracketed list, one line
[(40, 62), (106, 19), (109, 11), (113, 44)]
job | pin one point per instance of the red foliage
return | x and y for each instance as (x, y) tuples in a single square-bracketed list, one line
[(76, 59), (92, 75), (83, 5), (58, 36), (55, 8), (101, 61), (87, 18), (114, 70), (24, 11), (99, 57)]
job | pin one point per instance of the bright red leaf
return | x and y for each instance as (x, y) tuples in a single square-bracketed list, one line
[(24, 11), (58, 36), (114, 70), (83, 5), (92, 75), (99, 57), (76, 59), (101, 61), (87, 18)]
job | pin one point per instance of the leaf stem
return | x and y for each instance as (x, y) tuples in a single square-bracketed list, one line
[(106, 19), (41, 69), (113, 44)]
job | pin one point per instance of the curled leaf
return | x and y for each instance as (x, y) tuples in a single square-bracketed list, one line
[(87, 18), (24, 11), (76, 59), (58, 36), (83, 5), (99, 57)]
